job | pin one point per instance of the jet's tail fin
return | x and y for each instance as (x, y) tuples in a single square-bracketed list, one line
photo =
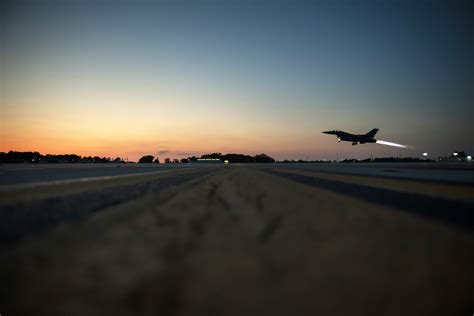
[(372, 133)]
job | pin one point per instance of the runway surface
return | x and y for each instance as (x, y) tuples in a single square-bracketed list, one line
[(462, 173), (17, 174), (238, 240)]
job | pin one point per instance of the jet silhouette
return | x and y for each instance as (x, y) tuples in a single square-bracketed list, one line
[(354, 138)]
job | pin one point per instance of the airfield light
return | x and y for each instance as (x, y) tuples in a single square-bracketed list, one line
[(469, 157), (425, 154), (455, 154)]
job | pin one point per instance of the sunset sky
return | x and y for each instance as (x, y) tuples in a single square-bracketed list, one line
[(181, 78)]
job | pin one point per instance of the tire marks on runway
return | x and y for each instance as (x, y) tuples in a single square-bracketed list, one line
[(22, 219), (451, 212)]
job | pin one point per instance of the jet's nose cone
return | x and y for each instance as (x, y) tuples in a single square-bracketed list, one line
[(328, 132)]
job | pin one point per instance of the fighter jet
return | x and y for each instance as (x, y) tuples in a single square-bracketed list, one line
[(354, 138)]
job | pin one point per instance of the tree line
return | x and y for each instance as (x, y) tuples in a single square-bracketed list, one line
[(231, 158), (36, 157)]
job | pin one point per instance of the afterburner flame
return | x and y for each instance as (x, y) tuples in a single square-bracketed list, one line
[(382, 142)]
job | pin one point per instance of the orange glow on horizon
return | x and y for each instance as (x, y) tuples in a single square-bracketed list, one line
[(121, 131)]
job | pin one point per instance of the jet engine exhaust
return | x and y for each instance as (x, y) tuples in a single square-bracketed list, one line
[(382, 142)]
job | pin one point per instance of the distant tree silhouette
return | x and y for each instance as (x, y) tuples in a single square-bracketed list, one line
[(237, 158), (98, 159), (263, 158), (36, 157), (20, 157), (212, 156), (146, 159)]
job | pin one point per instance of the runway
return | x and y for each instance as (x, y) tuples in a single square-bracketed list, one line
[(440, 172), (21, 174), (24, 174), (240, 240)]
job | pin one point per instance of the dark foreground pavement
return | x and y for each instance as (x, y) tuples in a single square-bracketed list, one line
[(238, 241)]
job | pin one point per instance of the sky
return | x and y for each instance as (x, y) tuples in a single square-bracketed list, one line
[(182, 78)]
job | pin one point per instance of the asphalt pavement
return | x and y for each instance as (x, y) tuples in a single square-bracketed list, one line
[(238, 240), (17, 174)]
